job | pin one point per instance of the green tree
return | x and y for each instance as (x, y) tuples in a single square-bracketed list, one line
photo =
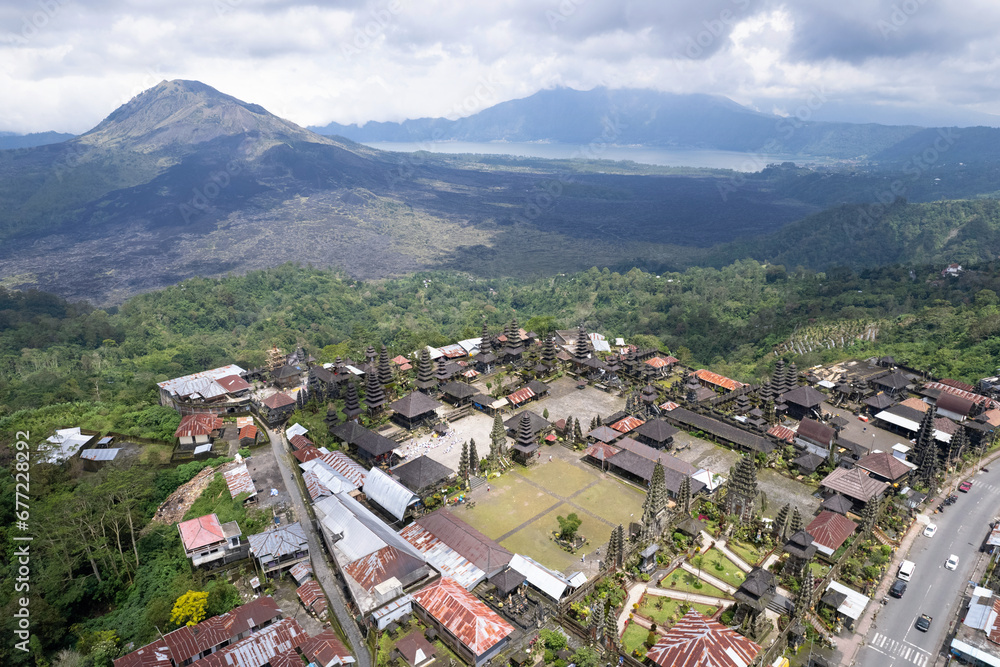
[(568, 526)]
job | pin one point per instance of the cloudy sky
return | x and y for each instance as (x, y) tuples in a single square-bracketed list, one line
[(66, 64)]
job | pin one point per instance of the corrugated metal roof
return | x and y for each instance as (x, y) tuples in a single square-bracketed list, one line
[(99, 454), (464, 615), (716, 379), (238, 480), (830, 529), (379, 567), (551, 583), (390, 495), (202, 423), (307, 454), (259, 648), (521, 395), (233, 383), (203, 384), (453, 351), (326, 649), (363, 532), (301, 571), (295, 429), (335, 472), (311, 594), (669, 405), (279, 542), (448, 561), (781, 433), (201, 449), (627, 424), (697, 641)]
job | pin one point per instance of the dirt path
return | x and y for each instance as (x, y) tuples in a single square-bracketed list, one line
[(179, 502)]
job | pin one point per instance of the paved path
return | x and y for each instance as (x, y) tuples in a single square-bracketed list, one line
[(690, 597), (705, 576), (321, 569)]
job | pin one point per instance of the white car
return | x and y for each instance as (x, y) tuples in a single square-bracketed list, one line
[(930, 530), (952, 562)]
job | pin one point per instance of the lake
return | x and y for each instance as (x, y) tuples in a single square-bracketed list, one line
[(712, 159)]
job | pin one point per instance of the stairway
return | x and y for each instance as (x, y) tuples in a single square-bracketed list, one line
[(882, 538), (475, 482)]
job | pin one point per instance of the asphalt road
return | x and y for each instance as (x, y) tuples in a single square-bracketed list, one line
[(321, 569), (893, 641)]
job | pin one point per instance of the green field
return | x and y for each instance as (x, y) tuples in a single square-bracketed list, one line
[(719, 566), (685, 581), (559, 477), (613, 500), (749, 553), (634, 636), (533, 540), (659, 608), (510, 502)]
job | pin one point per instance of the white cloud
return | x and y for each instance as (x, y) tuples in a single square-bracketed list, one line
[(65, 65)]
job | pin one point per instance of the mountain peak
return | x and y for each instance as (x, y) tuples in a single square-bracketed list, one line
[(186, 113)]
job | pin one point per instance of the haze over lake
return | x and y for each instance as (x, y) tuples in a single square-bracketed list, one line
[(712, 159)]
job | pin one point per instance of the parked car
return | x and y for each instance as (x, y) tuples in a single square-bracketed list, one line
[(924, 622), (965, 486), (898, 588), (930, 530), (952, 562)]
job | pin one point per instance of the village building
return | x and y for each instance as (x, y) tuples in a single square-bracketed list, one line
[(276, 408), (847, 603), (853, 483), (369, 446), (456, 549), (219, 390), (206, 540), (422, 475), (198, 429), (885, 467), (803, 402), (716, 382), (474, 631), (414, 410), (238, 481), (388, 495), (656, 433), (415, 650), (279, 548)]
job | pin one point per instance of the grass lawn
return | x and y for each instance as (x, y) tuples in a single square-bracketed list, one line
[(668, 606), (155, 454), (819, 570), (510, 502), (613, 500), (533, 540), (634, 637), (719, 566), (559, 477), (684, 581), (747, 552)]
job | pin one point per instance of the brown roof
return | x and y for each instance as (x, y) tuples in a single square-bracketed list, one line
[(371, 570), (883, 464), (472, 545), (956, 404), (830, 529), (307, 453), (853, 483), (781, 433), (915, 404), (278, 400), (810, 429), (464, 615), (697, 641), (806, 397), (414, 404), (657, 430), (627, 424), (233, 383), (312, 596), (601, 451), (202, 423), (410, 644), (717, 380), (324, 648)]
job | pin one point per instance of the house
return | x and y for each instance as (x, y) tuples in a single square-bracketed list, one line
[(187, 643), (952, 270), (325, 650), (238, 480), (197, 429), (815, 437), (249, 435), (954, 407), (205, 540), (463, 621), (377, 564), (853, 483), (415, 650), (311, 595), (698, 641), (280, 548), (455, 548), (414, 409), (276, 408), (95, 459), (977, 637), (885, 467), (830, 530), (422, 475), (330, 473), (719, 431), (219, 390)]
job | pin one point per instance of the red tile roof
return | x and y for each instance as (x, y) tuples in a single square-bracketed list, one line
[(660, 362), (782, 433), (202, 423), (830, 529), (627, 424), (601, 451), (248, 432), (200, 532), (669, 405), (697, 641), (717, 380), (463, 614), (915, 404), (278, 400)]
